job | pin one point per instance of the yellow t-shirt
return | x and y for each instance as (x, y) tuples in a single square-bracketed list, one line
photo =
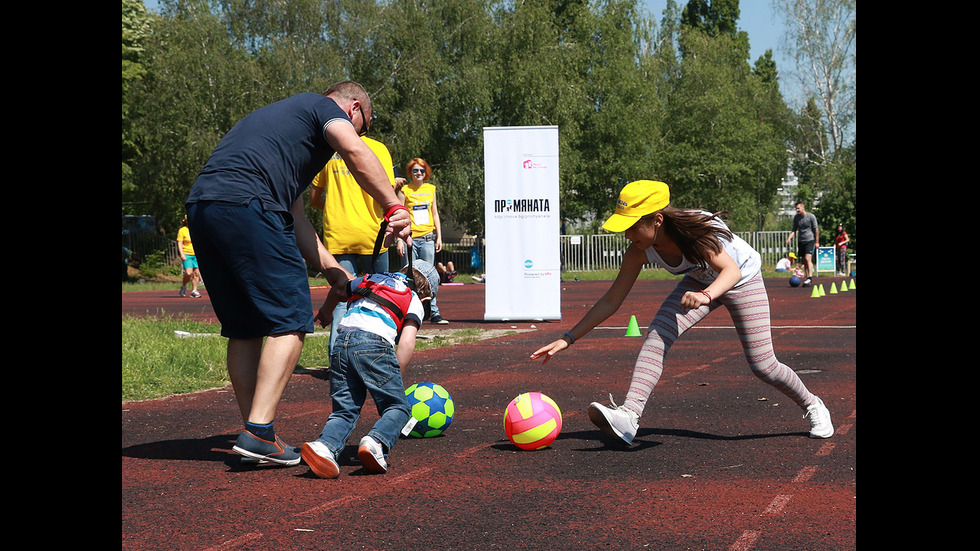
[(351, 217), (184, 240), (418, 201)]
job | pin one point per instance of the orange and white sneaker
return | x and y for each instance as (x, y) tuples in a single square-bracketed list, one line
[(371, 455), (320, 459)]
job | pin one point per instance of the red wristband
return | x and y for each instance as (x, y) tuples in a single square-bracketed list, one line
[(392, 210), (705, 293)]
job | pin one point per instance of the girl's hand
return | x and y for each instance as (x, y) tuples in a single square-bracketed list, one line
[(550, 350), (694, 299)]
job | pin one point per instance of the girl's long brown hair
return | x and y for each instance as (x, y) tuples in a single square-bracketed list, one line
[(694, 232)]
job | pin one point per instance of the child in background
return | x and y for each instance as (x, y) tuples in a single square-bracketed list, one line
[(192, 273), (375, 341), (446, 272), (719, 269), (785, 263)]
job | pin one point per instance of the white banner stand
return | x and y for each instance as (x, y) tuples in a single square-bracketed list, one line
[(523, 261)]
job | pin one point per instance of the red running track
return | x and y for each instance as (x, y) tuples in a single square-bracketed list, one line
[(721, 461)]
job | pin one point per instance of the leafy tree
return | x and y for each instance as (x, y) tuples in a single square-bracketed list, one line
[(822, 37), (135, 27), (724, 139), (839, 202), (678, 103), (295, 44), (197, 86)]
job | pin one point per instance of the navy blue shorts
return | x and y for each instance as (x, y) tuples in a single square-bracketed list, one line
[(256, 277)]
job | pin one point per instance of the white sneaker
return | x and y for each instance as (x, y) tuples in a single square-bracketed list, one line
[(371, 455), (620, 422), (320, 459), (820, 425)]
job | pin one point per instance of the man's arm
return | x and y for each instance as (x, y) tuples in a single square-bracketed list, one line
[(313, 250), (370, 175)]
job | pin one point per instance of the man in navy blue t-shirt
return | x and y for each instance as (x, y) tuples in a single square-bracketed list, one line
[(253, 240)]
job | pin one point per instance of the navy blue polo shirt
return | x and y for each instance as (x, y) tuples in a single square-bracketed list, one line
[(271, 155)]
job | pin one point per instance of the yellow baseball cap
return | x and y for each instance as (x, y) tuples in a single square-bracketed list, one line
[(637, 199)]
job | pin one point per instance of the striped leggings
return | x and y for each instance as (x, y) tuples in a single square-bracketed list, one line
[(749, 307)]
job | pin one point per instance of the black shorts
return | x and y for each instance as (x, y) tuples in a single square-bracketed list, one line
[(803, 248)]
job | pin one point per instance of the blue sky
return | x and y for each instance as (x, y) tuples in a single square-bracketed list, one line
[(756, 18)]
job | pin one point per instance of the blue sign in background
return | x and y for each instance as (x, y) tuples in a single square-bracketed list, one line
[(826, 260)]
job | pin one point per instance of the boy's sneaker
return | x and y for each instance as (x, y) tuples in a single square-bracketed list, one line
[(318, 456), (807, 282), (820, 425), (439, 320), (371, 455), (183, 290), (276, 452), (617, 422), (195, 294)]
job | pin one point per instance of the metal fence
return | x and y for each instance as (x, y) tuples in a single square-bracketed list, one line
[(144, 243), (579, 253), (594, 252)]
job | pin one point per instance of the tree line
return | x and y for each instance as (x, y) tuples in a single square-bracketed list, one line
[(677, 100)]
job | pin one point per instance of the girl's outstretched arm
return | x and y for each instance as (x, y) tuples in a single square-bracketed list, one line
[(633, 261)]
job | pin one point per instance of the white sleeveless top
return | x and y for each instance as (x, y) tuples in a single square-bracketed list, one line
[(748, 260)]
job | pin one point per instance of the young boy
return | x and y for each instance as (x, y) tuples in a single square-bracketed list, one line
[(374, 341)]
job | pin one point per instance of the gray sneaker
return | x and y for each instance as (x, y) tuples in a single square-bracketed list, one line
[(616, 421), (820, 425), (276, 452), (253, 462)]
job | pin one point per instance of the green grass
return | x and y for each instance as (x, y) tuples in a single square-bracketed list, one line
[(156, 362)]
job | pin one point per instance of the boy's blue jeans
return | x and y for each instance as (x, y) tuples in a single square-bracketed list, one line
[(362, 363)]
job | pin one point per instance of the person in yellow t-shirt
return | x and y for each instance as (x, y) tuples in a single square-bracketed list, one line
[(192, 273), (351, 218), (420, 200)]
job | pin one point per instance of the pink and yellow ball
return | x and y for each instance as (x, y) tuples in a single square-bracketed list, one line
[(532, 421)]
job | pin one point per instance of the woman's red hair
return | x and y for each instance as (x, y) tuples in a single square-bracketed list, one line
[(420, 162)]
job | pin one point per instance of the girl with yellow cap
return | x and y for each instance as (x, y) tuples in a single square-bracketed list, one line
[(719, 268)]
